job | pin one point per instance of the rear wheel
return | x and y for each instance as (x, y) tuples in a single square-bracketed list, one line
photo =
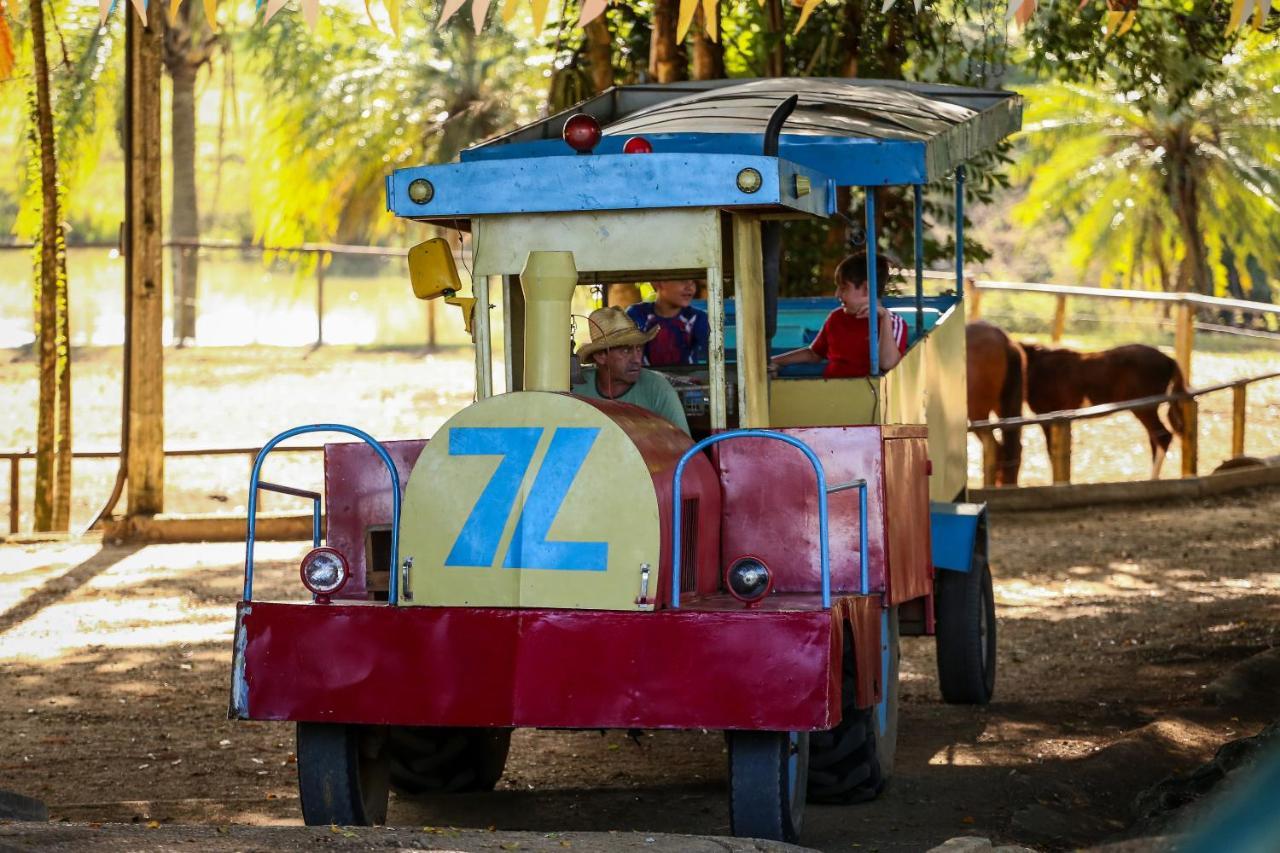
[(966, 613), (852, 763), (767, 773), (342, 774), (429, 759)]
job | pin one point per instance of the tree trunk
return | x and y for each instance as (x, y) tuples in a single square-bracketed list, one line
[(851, 37), (47, 321), (1184, 195), (775, 31), (666, 59), (708, 54), (600, 54), (62, 476), (184, 222)]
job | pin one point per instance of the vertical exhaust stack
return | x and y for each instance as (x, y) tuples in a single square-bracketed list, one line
[(548, 281)]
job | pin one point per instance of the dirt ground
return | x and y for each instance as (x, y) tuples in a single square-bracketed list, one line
[(115, 663)]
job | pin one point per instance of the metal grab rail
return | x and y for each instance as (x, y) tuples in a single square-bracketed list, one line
[(823, 491), (314, 497), (393, 591)]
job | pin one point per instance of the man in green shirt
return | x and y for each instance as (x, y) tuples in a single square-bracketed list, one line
[(617, 351)]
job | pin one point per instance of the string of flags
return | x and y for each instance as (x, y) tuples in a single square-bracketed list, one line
[(1120, 16)]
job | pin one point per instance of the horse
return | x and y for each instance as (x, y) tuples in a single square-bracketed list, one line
[(997, 385), (1060, 379)]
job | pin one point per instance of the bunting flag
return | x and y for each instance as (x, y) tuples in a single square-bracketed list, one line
[(6, 44), (1118, 19)]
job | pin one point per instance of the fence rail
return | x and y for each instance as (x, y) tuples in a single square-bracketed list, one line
[(15, 458), (1058, 426)]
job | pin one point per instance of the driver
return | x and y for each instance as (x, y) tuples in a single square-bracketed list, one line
[(617, 350)]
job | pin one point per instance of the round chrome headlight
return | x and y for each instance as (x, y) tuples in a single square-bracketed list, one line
[(748, 579), (749, 180), (324, 571), (421, 191)]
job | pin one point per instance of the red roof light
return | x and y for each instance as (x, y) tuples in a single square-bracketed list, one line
[(582, 133), (637, 145)]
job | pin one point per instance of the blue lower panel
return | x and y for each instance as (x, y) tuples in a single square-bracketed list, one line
[(955, 528)]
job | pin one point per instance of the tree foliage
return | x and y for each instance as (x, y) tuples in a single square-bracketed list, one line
[(1165, 160)]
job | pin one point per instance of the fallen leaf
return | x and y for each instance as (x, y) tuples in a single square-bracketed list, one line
[(966, 819), (153, 824)]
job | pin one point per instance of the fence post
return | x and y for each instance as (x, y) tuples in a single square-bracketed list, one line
[(1184, 339), (320, 300), (14, 483), (973, 298), (1060, 451), (1238, 398), (1059, 318), (1190, 437), (990, 456)]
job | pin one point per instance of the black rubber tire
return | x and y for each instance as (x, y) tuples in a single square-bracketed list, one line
[(342, 774), (853, 762), (446, 760), (766, 787), (966, 613)]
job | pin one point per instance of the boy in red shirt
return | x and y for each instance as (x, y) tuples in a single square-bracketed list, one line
[(844, 340)]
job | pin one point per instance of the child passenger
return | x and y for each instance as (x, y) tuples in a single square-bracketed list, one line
[(682, 330), (844, 340)]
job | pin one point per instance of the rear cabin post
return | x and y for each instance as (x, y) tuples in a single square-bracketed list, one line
[(918, 198), (715, 348), (960, 233), (484, 348), (873, 326), (753, 355)]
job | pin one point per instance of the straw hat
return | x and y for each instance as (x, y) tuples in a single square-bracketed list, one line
[(611, 327)]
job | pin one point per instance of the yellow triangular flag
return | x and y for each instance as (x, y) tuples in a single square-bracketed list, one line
[(539, 15), (141, 6), (479, 8), (687, 8), (509, 9), (393, 15), (1118, 23), (807, 10), (591, 9), (450, 9), (273, 6), (1240, 10), (311, 12), (710, 19), (173, 10), (211, 14)]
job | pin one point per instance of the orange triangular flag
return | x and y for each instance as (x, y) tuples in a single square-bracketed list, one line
[(807, 9), (311, 12), (141, 6), (211, 14), (450, 9), (273, 6), (591, 9), (479, 9)]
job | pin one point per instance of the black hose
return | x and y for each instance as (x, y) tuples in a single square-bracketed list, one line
[(774, 128)]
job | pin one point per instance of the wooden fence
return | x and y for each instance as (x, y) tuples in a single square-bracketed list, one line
[(1059, 427), (15, 458)]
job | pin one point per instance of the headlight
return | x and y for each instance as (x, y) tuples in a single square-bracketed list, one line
[(749, 180), (748, 579), (324, 572)]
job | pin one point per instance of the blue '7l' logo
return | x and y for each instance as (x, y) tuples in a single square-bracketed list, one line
[(477, 543)]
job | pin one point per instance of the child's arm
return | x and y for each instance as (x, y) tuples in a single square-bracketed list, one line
[(890, 355), (804, 355)]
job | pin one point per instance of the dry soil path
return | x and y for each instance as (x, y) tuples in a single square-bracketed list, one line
[(115, 662)]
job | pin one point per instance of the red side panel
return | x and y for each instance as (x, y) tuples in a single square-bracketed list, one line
[(771, 506), (357, 493), (906, 481), (770, 668)]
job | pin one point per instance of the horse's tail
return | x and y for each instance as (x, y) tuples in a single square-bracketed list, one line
[(1012, 395), (1177, 386)]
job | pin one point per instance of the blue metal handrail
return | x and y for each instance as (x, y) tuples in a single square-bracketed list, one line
[(823, 491), (393, 592)]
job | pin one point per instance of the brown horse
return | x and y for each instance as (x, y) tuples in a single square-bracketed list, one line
[(997, 385), (1060, 379)]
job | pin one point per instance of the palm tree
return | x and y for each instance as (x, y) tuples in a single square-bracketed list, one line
[(345, 107), (1152, 185)]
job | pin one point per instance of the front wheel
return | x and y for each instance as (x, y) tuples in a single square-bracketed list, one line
[(343, 774), (966, 612), (767, 775), (447, 760)]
